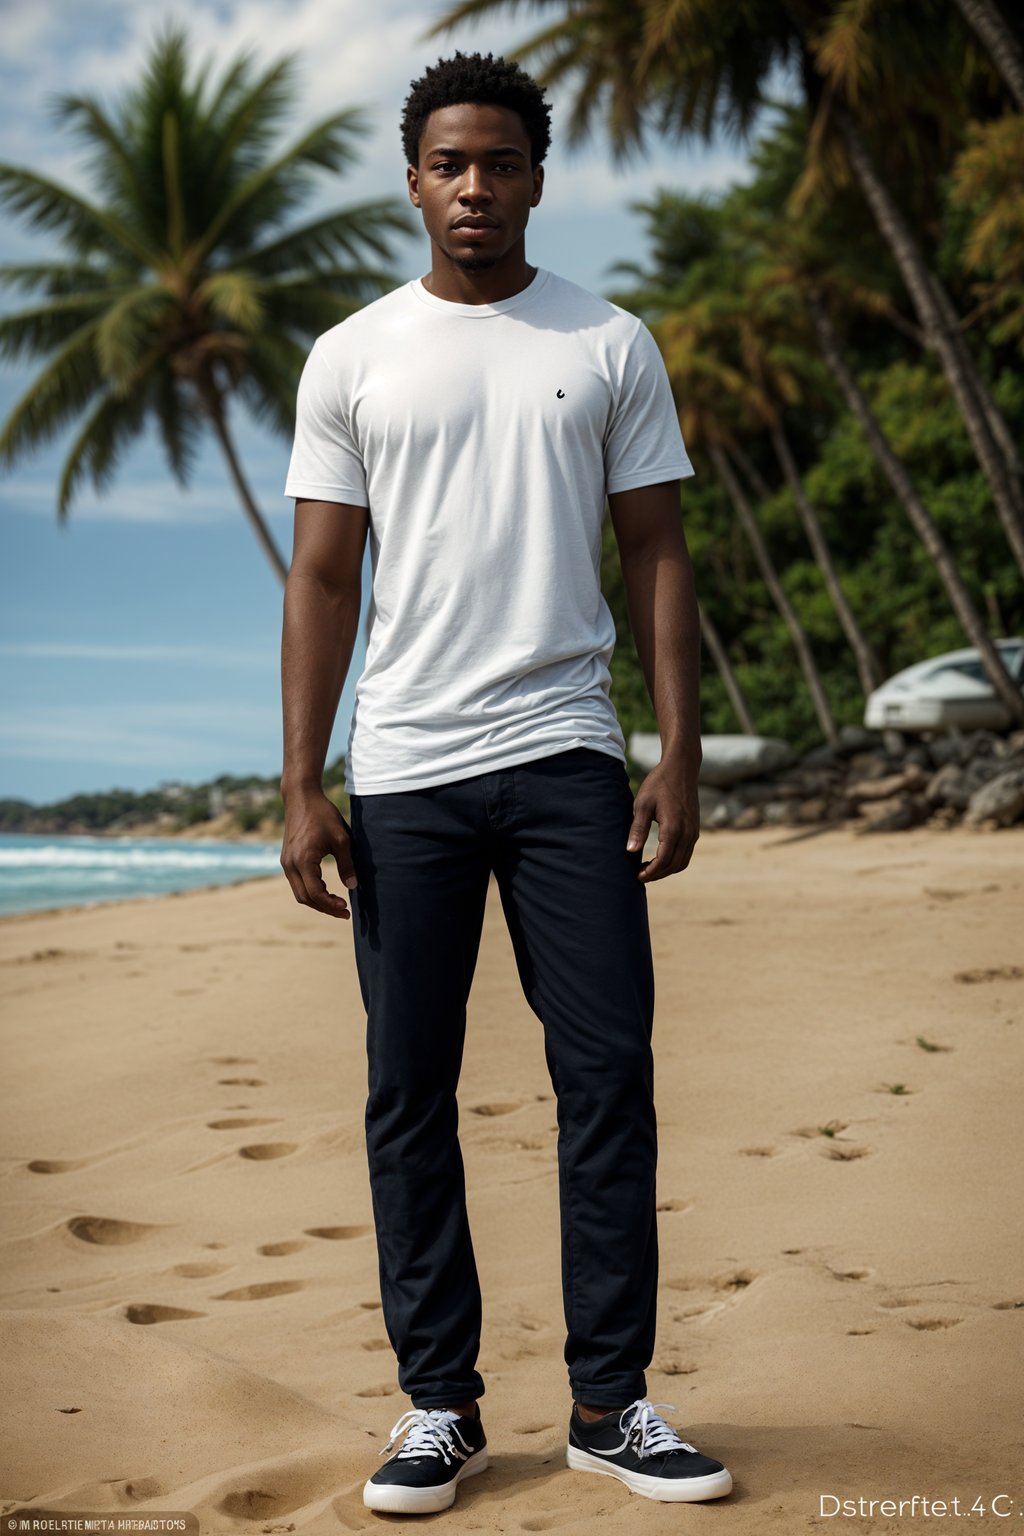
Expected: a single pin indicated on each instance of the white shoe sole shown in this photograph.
(393, 1499)
(670, 1490)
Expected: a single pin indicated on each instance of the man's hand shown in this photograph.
(668, 796)
(314, 828)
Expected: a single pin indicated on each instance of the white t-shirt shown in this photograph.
(483, 438)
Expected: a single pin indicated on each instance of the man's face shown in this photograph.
(474, 166)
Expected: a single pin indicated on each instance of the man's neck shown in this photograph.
(447, 281)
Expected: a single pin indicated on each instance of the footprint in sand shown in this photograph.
(1008, 1306)
(841, 1153)
(241, 1124)
(134, 1489)
(263, 1151)
(148, 1312)
(534, 1429)
(892, 1302)
(370, 1306)
(488, 1110)
(240, 1082)
(278, 1250)
(759, 1151)
(859, 1333)
(930, 1324)
(108, 1231)
(991, 973)
(57, 1164)
(198, 1271)
(830, 1129)
(544, 1522)
(233, 1061)
(850, 1274)
(677, 1368)
(386, 1390)
(262, 1290)
(675, 1205)
(337, 1234)
(375, 1344)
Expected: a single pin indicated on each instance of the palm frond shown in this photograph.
(98, 446)
(347, 231)
(49, 206)
(276, 186)
(56, 395)
(31, 331)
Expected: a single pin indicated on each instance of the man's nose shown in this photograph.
(475, 184)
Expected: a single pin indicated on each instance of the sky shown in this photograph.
(140, 642)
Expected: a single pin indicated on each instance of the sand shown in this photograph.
(191, 1315)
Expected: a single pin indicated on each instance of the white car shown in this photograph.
(946, 691)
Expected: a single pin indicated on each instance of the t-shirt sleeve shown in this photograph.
(326, 464)
(644, 442)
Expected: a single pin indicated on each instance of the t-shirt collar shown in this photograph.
(480, 311)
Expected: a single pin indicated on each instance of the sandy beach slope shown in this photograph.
(191, 1316)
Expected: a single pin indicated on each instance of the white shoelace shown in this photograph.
(428, 1432)
(651, 1436)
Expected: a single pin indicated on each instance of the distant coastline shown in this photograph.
(231, 808)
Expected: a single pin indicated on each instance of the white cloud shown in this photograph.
(188, 655)
(139, 733)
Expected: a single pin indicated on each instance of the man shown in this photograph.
(472, 422)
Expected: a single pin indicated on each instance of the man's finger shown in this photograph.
(343, 858)
(661, 864)
(639, 831)
(317, 893)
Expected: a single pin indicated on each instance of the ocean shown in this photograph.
(38, 871)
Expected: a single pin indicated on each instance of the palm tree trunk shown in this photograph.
(868, 669)
(920, 518)
(771, 579)
(990, 25)
(737, 698)
(995, 418)
(213, 405)
(966, 384)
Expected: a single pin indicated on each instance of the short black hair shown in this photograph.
(479, 78)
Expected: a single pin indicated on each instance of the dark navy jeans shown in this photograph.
(554, 832)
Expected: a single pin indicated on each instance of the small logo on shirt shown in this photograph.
(560, 394)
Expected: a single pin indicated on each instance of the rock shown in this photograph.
(774, 813)
(821, 757)
(731, 759)
(813, 810)
(726, 759)
(854, 738)
(708, 799)
(895, 814)
(912, 778)
(869, 765)
(725, 812)
(951, 786)
(751, 816)
(1000, 802)
(946, 749)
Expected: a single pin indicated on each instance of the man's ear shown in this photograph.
(412, 179)
(538, 185)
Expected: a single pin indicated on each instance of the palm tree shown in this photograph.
(686, 65)
(991, 26)
(921, 519)
(180, 287)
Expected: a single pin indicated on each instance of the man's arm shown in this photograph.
(662, 602)
(321, 617)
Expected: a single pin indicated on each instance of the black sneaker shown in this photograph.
(642, 1451)
(440, 1448)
